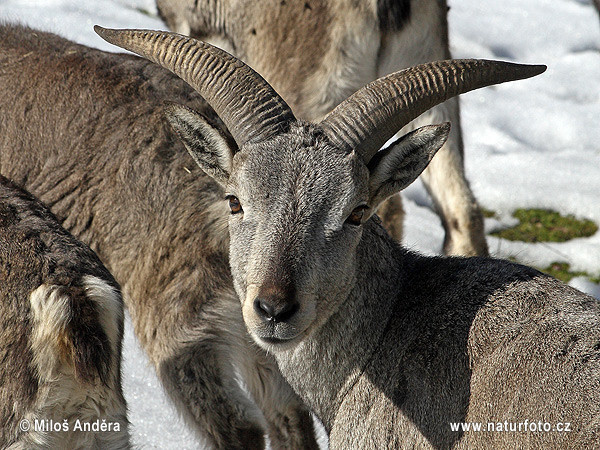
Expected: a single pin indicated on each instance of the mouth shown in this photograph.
(274, 341)
(271, 342)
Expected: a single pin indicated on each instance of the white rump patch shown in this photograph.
(50, 317)
(109, 304)
(60, 396)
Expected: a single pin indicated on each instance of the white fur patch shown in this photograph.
(109, 304)
(50, 317)
(60, 396)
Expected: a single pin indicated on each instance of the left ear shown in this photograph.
(397, 166)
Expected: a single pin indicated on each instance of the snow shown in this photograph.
(532, 143)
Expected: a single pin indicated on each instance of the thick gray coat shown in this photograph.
(449, 341)
(387, 347)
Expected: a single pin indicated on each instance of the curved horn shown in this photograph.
(373, 114)
(247, 104)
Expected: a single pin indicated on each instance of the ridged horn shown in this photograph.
(372, 115)
(247, 104)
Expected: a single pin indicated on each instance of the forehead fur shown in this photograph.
(299, 162)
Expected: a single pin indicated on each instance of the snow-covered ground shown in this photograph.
(533, 143)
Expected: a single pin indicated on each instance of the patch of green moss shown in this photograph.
(144, 11)
(488, 213)
(562, 271)
(542, 225)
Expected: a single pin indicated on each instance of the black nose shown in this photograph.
(275, 311)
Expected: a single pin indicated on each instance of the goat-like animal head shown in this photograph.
(301, 194)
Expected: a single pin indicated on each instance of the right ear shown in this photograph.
(207, 145)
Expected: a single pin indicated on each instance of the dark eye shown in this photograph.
(234, 204)
(356, 217)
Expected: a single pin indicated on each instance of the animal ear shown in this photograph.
(397, 166)
(207, 145)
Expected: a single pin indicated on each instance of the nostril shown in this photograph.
(286, 312)
(275, 312)
(264, 309)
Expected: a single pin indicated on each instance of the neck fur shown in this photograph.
(326, 365)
